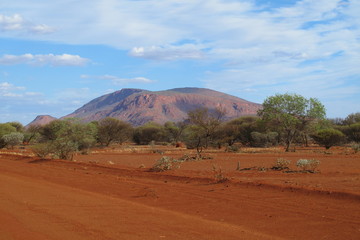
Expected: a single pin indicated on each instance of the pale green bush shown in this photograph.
(308, 164)
(42, 150)
(13, 139)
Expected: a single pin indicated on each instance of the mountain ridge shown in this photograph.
(139, 106)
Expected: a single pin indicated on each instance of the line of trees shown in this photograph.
(287, 119)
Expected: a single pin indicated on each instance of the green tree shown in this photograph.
(263, 139)
(352, 132)
(5, 128)
(239, 130)
(149, 132)
(174, 131)
(32, 133)
(19, 127)
(13, 139)
(112, 130)
(203, 126)
(65, 137)
(328, 137)
(290, 114)
(352, 119)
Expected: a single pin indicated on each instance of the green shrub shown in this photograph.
(13, 139)
(264, 139)
(42, 150)
(355, 147)
(64, 148)
(328, 137)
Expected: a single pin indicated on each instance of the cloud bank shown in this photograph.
(16, 23)
(44, 59)
(118, 80)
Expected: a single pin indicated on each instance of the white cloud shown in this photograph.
(10, 91)
(11, 23)
(306, 45)
(168, 52)
(18, 24)
(118, 80)
(5, 86)
(41, 29)
(44, 59)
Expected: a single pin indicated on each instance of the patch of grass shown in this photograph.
(218, 175)
(308, 165)
(281, 164)
(355, 147)
(166, 163)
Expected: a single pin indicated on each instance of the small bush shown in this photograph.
(42, 150)
(219, 176)
(308, 164)
(232, 148)
(281, 164)
(13, 139)
(165, 163)
(355, 147)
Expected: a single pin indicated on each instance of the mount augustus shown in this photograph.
(138, 106)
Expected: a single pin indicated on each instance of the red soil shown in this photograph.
(112, 195)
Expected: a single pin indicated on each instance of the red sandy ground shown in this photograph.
(110, 194)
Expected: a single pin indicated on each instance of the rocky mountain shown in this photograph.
(41, 120)
(138, 106)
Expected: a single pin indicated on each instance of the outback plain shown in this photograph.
(111, 193)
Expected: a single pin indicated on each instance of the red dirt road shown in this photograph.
(77, 200)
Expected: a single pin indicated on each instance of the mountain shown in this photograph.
(41, 120)
(138, 106)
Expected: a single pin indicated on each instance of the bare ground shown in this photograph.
(110, 194)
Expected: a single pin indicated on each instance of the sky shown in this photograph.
(55, 56)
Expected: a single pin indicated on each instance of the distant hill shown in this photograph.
(138, 106)
(41, 120)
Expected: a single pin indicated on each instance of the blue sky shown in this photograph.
(57, 55)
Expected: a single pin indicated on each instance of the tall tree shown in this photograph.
(113, 130)
(352, 118)
(174, 131)
(149, 132)
(205, 123)
(291, 114)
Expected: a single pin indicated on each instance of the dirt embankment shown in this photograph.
(107, 196)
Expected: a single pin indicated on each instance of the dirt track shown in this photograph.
(65, 200)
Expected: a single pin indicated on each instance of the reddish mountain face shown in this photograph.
(41, 120)
(140, 106)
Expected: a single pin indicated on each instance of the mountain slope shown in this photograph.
(138, 106)
(41, 120)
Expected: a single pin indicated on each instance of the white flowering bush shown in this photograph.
(308, 164)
